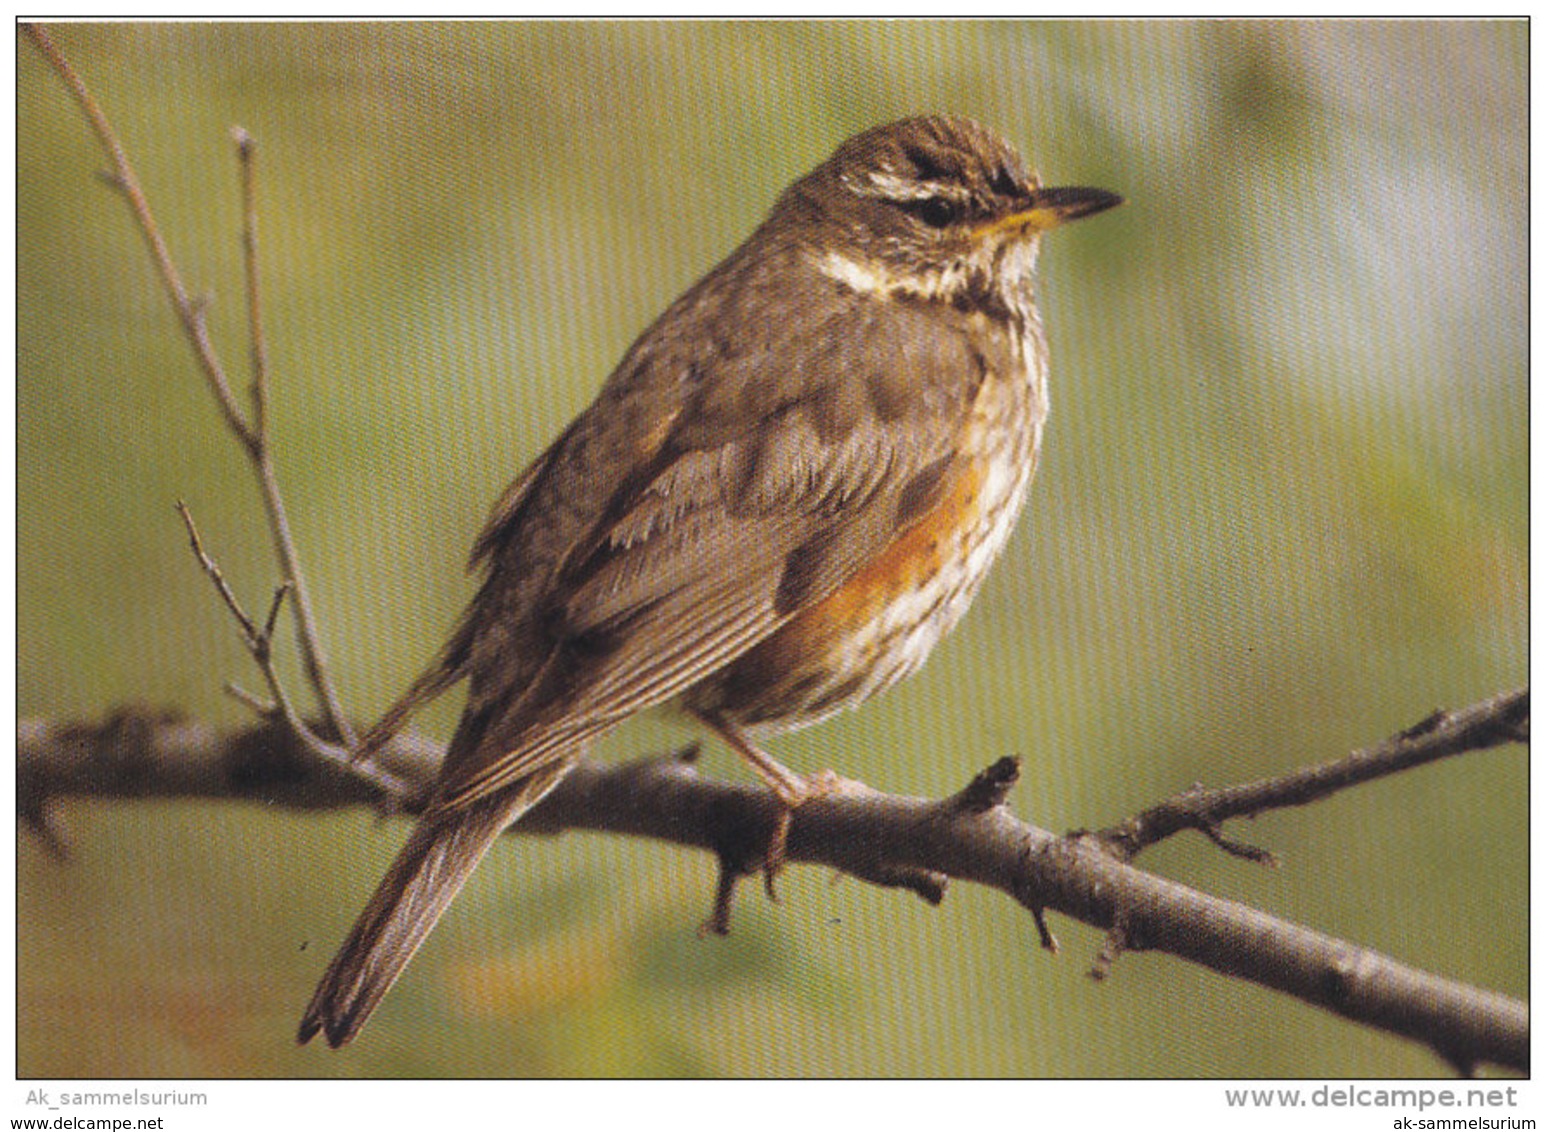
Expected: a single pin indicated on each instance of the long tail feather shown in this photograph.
(441, 854)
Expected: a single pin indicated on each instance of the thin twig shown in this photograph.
(280, 591)
(211, 570)
(260, 643)
(251, 435)
(263, 709)
(123, 178)
(1503, 718)
(313, 658)
(246, 154)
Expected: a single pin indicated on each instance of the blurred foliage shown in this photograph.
(1282, 513)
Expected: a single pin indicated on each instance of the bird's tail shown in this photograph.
(440, 855)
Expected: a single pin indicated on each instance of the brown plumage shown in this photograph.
(787, 491)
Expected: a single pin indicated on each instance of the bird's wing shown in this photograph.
(682, 519)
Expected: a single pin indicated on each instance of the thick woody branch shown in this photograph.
(893, 841)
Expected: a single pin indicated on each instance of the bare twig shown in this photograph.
(882, 839)
(246, 154)
(250, 434)
(260, 643)
(123, 178)
(1504, 718)
(217, 578)
(313, 658)
(259, 707)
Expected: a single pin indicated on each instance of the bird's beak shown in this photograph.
(1051, 207)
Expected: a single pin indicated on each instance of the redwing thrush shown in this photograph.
(785, 494)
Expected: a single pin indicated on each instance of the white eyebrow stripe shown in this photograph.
(894, 186)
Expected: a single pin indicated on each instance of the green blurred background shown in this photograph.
(1281, 514)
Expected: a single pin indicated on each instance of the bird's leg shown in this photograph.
(791, 790)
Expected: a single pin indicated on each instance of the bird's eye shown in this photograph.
(936, 212)
(1003, 183)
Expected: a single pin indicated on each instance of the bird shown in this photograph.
(789, 489)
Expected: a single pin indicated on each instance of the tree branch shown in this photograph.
(892, 841)
(1504, 718)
